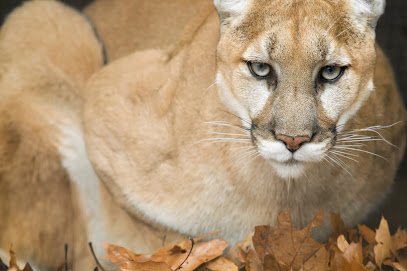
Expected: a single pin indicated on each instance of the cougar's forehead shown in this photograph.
(285, 30)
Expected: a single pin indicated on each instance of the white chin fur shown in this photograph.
(287, 170)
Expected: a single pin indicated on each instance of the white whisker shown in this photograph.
(338, 162)
(381, 136)
(334, 23)
(214, 83)
(228, 139)
(226, 124)
(244, 148)
(306, 177)
(361, 140)
(288, 186)
(241, 151)
(345, 153)
(247, 159)
(222, 140)
(228, 134)
(253, 157)
(245, 155)
(354, 149)
(344, 31)
(353, 136)
(351, 145)
(325, 158)
(374, 129)
(342, 154)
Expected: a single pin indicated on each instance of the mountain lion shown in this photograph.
(262, 106)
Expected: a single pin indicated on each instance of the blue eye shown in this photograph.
(259, 70)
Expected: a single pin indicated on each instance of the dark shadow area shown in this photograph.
(392, 36)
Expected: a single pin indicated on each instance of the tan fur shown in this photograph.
(47, 52)
(126, 26)
(144, 119)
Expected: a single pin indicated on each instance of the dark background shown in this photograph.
(392, 36)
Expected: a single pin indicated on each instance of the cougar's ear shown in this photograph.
(368, 12)
(230, 8)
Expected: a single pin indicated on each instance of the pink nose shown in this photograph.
(293, 143)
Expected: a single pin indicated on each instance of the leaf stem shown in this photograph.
(189, 254)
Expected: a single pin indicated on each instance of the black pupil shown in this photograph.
(262, 67)
(330, 69)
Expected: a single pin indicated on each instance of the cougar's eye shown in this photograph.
(259, 70)
(332, 73)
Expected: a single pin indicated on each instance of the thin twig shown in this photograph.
(189, 254)
(94, 256)
(66, 257)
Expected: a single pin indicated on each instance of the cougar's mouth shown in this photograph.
(287, 160)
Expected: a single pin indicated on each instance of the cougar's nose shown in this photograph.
(293, 142)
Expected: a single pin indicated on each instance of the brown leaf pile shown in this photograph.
(187, 255)
(280, 248)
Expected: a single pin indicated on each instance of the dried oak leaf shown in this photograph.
(238, 253)
(168, 258)
(384, 248)
(368, 234)
(338, 228)
(219, 264)
(350, 259)
(400, 239)
(204, 252)
(395, 265)
(285, 248)
(342, 243)
(253, 262)
(402, 257)
(400, 246)
(128, 260)
(371, 266)
(146, 266)
(368, 250)
(318, 261)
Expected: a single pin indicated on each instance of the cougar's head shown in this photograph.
(295, 72)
